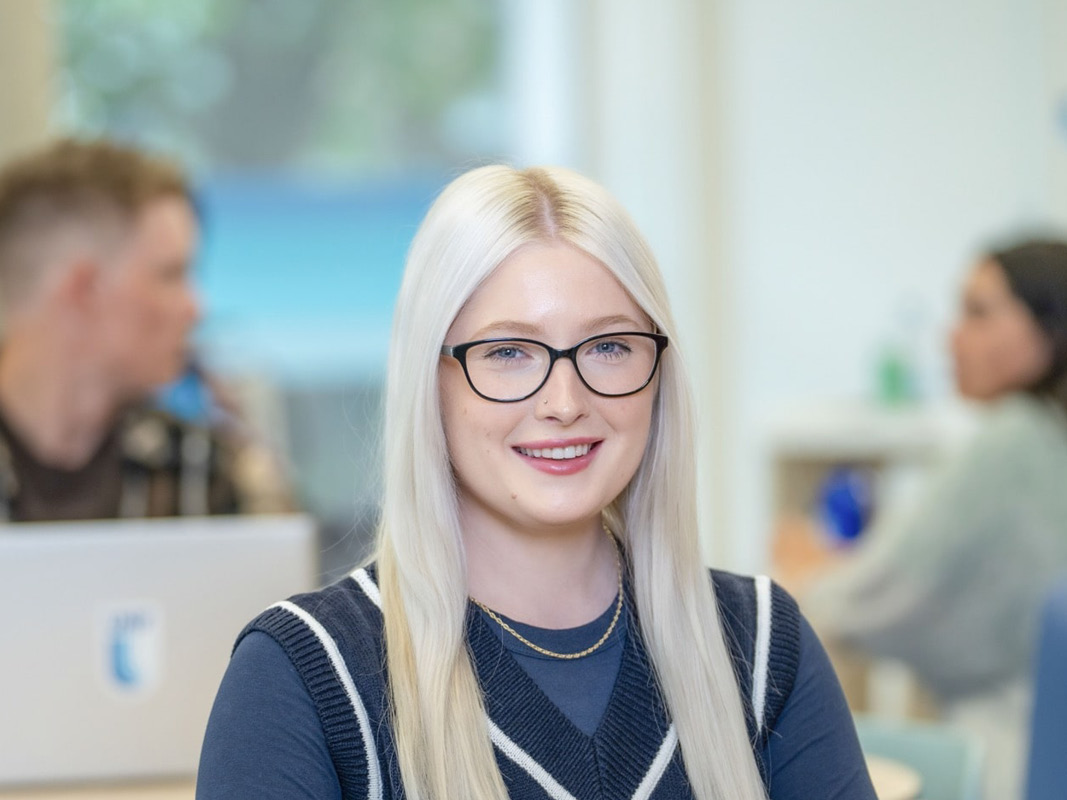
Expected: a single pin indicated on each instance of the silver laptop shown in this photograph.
(114, 636)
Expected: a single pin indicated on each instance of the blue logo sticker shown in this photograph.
(131, 646)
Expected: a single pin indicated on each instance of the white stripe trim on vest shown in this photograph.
(369, 587)
(555, 790)
(552, 787)
(507, 746)
(763, 649)
(374, 771)
(659, 765)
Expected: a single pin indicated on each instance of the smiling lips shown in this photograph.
(559, 459)
(556, 453)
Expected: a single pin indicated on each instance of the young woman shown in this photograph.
(536, 622)
(953, 585)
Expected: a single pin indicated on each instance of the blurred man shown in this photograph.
(96, 305)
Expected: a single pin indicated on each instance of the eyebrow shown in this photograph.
(509, 327)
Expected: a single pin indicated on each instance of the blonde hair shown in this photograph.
(440, 727)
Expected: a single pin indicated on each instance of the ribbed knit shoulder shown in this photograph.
(315, 629)
(761, 624)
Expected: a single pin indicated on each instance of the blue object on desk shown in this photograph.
(845, 502)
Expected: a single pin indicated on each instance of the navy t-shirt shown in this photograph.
(265, 740)
(581, 687)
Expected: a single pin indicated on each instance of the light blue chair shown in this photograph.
(1047, 770)
(949, 761)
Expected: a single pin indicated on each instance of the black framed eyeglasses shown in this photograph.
(508, 370)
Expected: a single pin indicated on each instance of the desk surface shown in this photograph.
(156, 790)
(893, 780)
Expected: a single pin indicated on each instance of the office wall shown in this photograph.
(1054, 57)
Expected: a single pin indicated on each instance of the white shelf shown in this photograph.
(855, 430)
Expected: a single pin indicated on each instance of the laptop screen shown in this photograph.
(116, 635)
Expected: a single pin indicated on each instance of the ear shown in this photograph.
(78, 288)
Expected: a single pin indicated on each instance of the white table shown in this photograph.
(184, 789)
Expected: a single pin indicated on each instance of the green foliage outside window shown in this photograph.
(356, 86)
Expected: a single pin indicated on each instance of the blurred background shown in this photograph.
(814, 176)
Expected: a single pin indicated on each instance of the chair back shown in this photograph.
(1047, 768)
(948, 761)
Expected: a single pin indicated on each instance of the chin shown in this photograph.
(978, 395)
(564, 516)
(964, 387)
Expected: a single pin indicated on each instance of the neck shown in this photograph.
(551, 578)
(54, 400)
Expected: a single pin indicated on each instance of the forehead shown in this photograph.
(164, 226)
(547, 287)
(171, 215)
(987, 278)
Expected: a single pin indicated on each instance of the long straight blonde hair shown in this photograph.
(438, 714)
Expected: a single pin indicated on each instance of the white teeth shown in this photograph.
(557, 453)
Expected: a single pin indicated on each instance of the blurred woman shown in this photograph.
(952, 586)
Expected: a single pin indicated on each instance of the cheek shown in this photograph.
(1004, 348)
(635, 422)
(1000, 357)
(451, 421)
(978, 347)
(126, 322)
(470, 429)
(165, 305)
(140, 315)
(1026, 355)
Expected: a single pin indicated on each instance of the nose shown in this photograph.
(564, 397)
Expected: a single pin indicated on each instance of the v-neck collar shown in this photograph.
(612, 762)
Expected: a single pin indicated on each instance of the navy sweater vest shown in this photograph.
(334, 639)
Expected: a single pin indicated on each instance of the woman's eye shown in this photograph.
(610, 347)
(505, 353)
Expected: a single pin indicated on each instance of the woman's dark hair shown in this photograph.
(1036, 270)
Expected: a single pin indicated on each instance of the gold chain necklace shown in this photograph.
(618, 610)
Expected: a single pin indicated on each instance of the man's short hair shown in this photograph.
(85, 185)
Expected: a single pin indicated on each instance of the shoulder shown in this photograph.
(151, 437)
(762, 627)
(333, 638)
(155, 439)
(344, 617)
(1020, 442)
(240, 466)
(751, 604)
(1020, 422)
